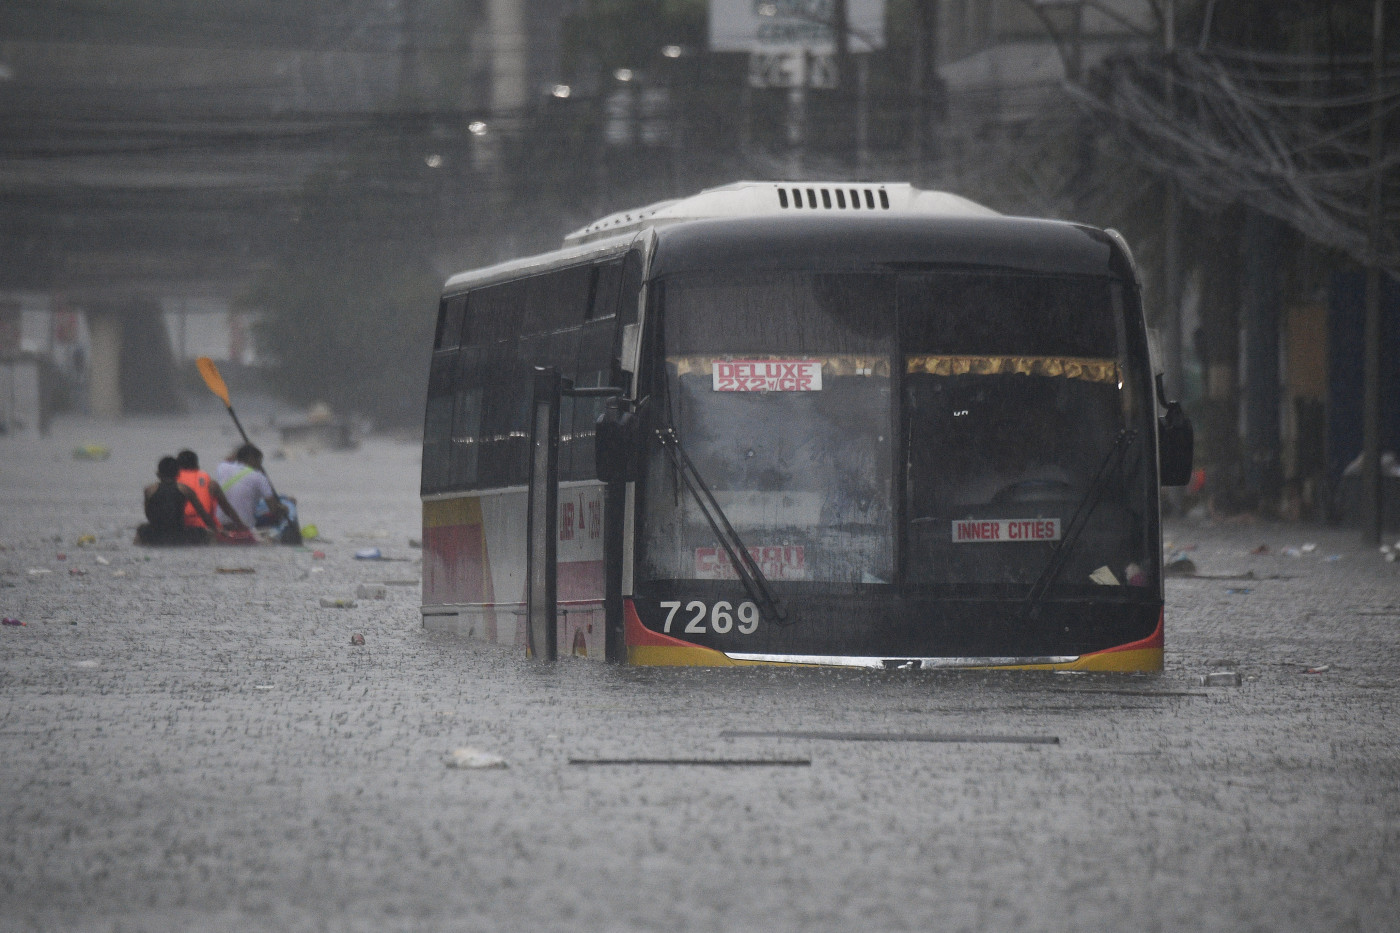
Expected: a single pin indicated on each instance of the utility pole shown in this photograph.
(863, 117)
(853, 96)
(1171, 226)
(797, 119)
(1372, 482)
(922, 75)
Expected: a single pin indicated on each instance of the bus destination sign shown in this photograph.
(767, 375)
(1006, 529)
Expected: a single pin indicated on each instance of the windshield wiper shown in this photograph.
(1077, 523)
(755, 583)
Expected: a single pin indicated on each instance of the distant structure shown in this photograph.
(138, 150)
(1002, 61)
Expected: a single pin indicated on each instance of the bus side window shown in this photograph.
(557, 304)
(557, 300)
(449, 322)
(497, 312)
(629, 292)
(592, 367)
(437, 423)
(466, 420)
(607, 279)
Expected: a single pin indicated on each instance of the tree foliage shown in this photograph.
(346, 313)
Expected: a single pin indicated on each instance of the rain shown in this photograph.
(240, 225)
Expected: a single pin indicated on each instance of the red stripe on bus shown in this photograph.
(636, 634)
(454, 566)
(1156, 640)
(580, 580)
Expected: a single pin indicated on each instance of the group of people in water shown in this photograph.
(186, 505)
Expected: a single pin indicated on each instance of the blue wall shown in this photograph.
(1346, 328)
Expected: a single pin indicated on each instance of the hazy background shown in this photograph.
(284, 186)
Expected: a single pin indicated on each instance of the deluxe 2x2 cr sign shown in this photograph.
(767, 375)
(978, 530)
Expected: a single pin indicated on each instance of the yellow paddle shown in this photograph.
(215, 382)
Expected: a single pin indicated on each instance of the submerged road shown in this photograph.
(189, 741)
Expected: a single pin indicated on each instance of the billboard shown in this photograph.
(777, 26)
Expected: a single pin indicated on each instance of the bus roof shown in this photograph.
(884, 242)
(745, 225)
(793, 198)
(527, 265)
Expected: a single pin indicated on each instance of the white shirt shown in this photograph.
(245, 493)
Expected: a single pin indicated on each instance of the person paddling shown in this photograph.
(246, 487)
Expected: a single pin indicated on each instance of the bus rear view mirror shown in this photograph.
(1176, 440)
(616, 443)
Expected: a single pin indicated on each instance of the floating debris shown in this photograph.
(1221, 679)
(329, 603)
(92, 452)
(475, 758)
(895, 737)
(702, 762)
(371, 591)
(357, 639)
(237, 570)
(1180, 565)
(1104, 577)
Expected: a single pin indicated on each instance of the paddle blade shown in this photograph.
(212, 379)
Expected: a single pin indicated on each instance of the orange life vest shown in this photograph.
(197, 480)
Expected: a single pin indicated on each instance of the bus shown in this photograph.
(844, 424)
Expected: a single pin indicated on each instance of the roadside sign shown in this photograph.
(771, 26)
(793, 68)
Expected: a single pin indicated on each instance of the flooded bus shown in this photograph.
(819, 424)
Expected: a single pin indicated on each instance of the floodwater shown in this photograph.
(189, 740)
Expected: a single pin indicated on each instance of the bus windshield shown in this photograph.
(778, 387)
(935, 430)
(1022, 410)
